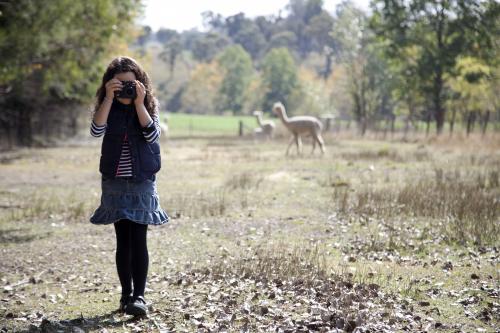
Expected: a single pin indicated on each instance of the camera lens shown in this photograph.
(129, 92)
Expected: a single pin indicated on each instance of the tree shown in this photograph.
(406, 85)
(237, 68)
(66, 49)
(213, 21)
(286, 39)
(145, 35)
(54, 52)
(474, 87)
(441, 29)
(310, 24)
(247, 33)
(207, 45)
(279, 76)
(164, 35)
(368, 80)
(172, 48)
(200, 95)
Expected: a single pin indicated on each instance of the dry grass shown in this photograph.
(466, 207)
(45, 203)
(365, 212)
(207, 203)
(277, 261)
(244, 180)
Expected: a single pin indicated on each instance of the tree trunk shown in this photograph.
(470, 121)
(328, 65)
(439, 110)
(393, 124)
(363, 126)
(428, 122)
(452, 121)
(407, 127)
(24, 130)
(485, 122)
(439, 121)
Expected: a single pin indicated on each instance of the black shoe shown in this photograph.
(137, 307)
(124, 300)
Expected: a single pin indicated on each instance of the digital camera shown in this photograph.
(128, 90)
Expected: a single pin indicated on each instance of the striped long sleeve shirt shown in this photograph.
(125, 164)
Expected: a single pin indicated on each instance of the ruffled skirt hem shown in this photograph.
(108, 216)
(135, 201)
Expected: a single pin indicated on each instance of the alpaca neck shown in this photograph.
(283, 116)
(259, 119)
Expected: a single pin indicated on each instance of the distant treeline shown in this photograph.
(432, 61)
(426, 61)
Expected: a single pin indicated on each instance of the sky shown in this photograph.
(186, 14)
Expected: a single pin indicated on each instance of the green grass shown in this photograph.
(181, 124)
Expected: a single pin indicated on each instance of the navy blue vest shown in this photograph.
(146, 159)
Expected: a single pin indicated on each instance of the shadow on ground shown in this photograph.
(20, 235)
(83, 324)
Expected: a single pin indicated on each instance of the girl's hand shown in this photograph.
(112, 86)
(141, 93)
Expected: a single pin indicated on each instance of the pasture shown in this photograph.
(207, 125)
(381, 235)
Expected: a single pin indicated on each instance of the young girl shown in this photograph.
(130, 159)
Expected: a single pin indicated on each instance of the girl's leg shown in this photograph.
(123, 255)
(140, 257)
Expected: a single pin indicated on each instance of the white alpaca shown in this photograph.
(163, 126)
(300, 125)
(258, 133)
(266, 126)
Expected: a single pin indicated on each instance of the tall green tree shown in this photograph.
(369, 80)
(302, 14)
(441, 29)
(475, 91)
(61, 42)
(246, 33)
(53, 53)
(237, 68)
(200, 94)
(279, 78)
(172, 48)
(406, 92)
(207, 45)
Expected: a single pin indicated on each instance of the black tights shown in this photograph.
(132, 256)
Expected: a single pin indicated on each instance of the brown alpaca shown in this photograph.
(300, 125)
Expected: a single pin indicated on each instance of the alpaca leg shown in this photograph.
(314, 144)
(321, 143)
(298, 140)
(292, 139)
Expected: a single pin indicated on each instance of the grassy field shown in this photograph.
(188, 125)
(209, 125)
(378, 235)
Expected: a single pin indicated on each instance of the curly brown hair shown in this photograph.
(124, 64)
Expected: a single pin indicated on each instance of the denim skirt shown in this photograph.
(124, 198)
